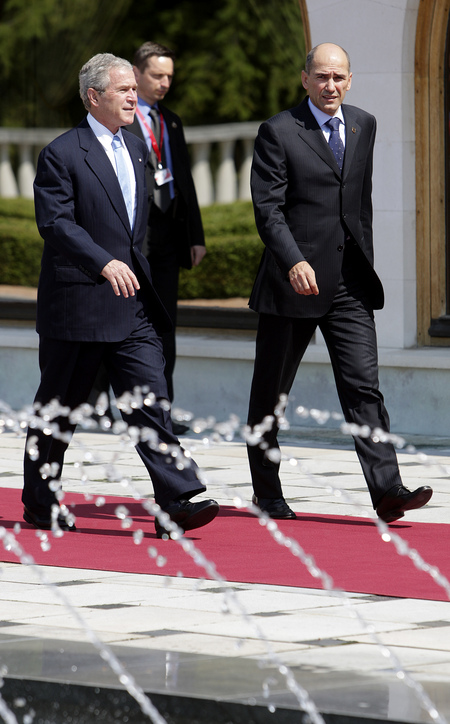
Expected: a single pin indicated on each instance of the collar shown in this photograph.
(322, 117)
(145, 107)
(102, 133)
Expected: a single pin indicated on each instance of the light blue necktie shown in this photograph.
(123, 177)
(335, 141)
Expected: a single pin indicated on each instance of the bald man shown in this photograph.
(312, 195)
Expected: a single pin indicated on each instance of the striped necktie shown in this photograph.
(123, 177)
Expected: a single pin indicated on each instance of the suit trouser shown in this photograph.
(68, 370)
(160, 249)
(349, 332)
(164, 265)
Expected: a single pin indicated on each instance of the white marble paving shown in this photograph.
(304, 627)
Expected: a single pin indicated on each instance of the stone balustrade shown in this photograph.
(221, 160)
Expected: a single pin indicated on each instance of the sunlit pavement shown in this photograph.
(173, 635)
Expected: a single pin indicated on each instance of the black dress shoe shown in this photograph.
(188, 515)
(274, 507)
(394, 503)
(45, 523)
(179, 429)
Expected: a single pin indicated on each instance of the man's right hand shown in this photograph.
(121, 278)
(303, 279)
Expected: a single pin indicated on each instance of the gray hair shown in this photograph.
(96, 74)
(309, 62)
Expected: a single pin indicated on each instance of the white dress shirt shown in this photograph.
(322, 118)
(105, 137)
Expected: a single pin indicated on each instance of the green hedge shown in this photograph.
(17, 208)
(20, 243)
(228, 269)
(233, 254)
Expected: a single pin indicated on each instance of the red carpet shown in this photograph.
(350, 550)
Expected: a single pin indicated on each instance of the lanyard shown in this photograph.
(155, 147)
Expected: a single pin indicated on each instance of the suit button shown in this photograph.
(340, 247)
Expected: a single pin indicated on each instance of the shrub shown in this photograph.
(228, 269)
(18, 208)
(233, 254)
(20, 251)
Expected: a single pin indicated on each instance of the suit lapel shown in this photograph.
(101, 166)
(312, 134)
(310, 131)
(139, 172)
(352, 135)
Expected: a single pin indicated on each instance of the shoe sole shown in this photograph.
(414, 504)
(392, 516)
(274, 516)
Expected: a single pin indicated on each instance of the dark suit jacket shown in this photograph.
(189, 231)
(81, 215)
(305, 209)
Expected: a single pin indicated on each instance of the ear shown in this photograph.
(92, 96)
(305, 79)
(349, 84)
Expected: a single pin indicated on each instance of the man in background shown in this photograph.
(175, 236)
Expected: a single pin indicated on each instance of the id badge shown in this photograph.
(163, 176)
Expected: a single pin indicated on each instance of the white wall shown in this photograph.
(379, 35)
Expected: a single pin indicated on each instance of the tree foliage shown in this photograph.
(237, 60)
(43, 44)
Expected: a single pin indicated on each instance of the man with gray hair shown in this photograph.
(96, 301)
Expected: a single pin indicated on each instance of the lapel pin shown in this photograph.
(140, 160)
(353, 129)
(174, 125)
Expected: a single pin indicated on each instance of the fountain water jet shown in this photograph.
(227, 431)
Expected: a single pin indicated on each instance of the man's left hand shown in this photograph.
(197, 254)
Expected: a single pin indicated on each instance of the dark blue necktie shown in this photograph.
(335, 141)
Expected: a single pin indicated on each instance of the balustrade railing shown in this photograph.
(221, 158)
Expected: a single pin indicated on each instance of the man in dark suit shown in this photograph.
(96, 301)
(312, 194)
(175, 235)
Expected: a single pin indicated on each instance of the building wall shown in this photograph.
(379, 35)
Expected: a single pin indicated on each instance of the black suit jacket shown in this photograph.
(81, 215)
(305, 209)
(187, 218)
